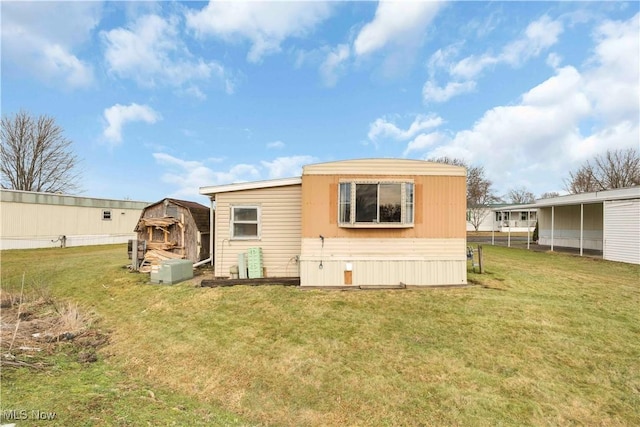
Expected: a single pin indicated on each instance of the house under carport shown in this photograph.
(606, 221)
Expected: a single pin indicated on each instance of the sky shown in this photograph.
(162, 98)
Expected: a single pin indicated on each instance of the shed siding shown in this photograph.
(566, 231)
(35, 225)
(280, 210)
(622, 231)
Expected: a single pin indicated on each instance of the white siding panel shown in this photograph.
(280, 224)
(622, 231)
(383, 167)
(37, 225)
(413, 262)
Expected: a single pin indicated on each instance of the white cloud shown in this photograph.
(41, 38)
(265, 24)
(187, 176)
(538, 36)
(433, 93)
(118, 115)
(613, 79)
(395, 22)
(276, 145)
(334, 64)
(424, 141)
(283, 167)
(151, 53)
(567, 119)
(382, 128)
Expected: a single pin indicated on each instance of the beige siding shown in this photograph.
(384, 166)
(280, 222)
(566, 227)
(31, 225)
(416, 262)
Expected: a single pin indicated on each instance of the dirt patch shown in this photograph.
(31, 331)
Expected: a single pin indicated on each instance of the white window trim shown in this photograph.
(403, 201)
(106, 212)
(258, 222)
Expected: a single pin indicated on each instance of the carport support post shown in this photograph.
(493, 228)
(528, 228)
(553, 219)
(581, 226)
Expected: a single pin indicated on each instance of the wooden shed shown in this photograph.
(174, 228)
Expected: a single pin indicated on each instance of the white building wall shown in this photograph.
(622, 231)
(38, 220)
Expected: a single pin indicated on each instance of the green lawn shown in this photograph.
(540, 339)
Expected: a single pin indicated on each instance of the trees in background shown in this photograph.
(520, 196)
(36, 156)
(613, 169)
(549, 195)
(480, 193)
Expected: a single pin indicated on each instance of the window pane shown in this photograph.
(245, 214)
(408, 208)
(245, 230)
(366, 202)
(345, 202)
(390, 203)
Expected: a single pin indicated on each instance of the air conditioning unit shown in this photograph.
(172, 271)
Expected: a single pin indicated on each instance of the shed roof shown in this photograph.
(199, 213)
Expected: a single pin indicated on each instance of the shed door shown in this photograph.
(622, 231)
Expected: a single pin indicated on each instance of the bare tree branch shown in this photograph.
(36, 156)
(480, 193)
(520, 195)
(614, 169)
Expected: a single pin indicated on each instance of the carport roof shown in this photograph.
(582, 198)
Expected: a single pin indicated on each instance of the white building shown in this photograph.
(502, 218)
(41, 220)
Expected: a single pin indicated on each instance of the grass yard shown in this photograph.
(540, 339)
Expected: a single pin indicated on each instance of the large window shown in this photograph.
(245, 222)
(376, 204)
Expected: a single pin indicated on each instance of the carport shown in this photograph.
(606, 221)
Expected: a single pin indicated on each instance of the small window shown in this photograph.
(379, 204)
(171, 211)
(106, 215)
(245, 222)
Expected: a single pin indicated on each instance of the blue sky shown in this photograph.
(161, 98)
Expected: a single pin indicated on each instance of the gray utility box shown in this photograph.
(172, 271)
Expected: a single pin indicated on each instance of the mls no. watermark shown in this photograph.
(26, 414)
